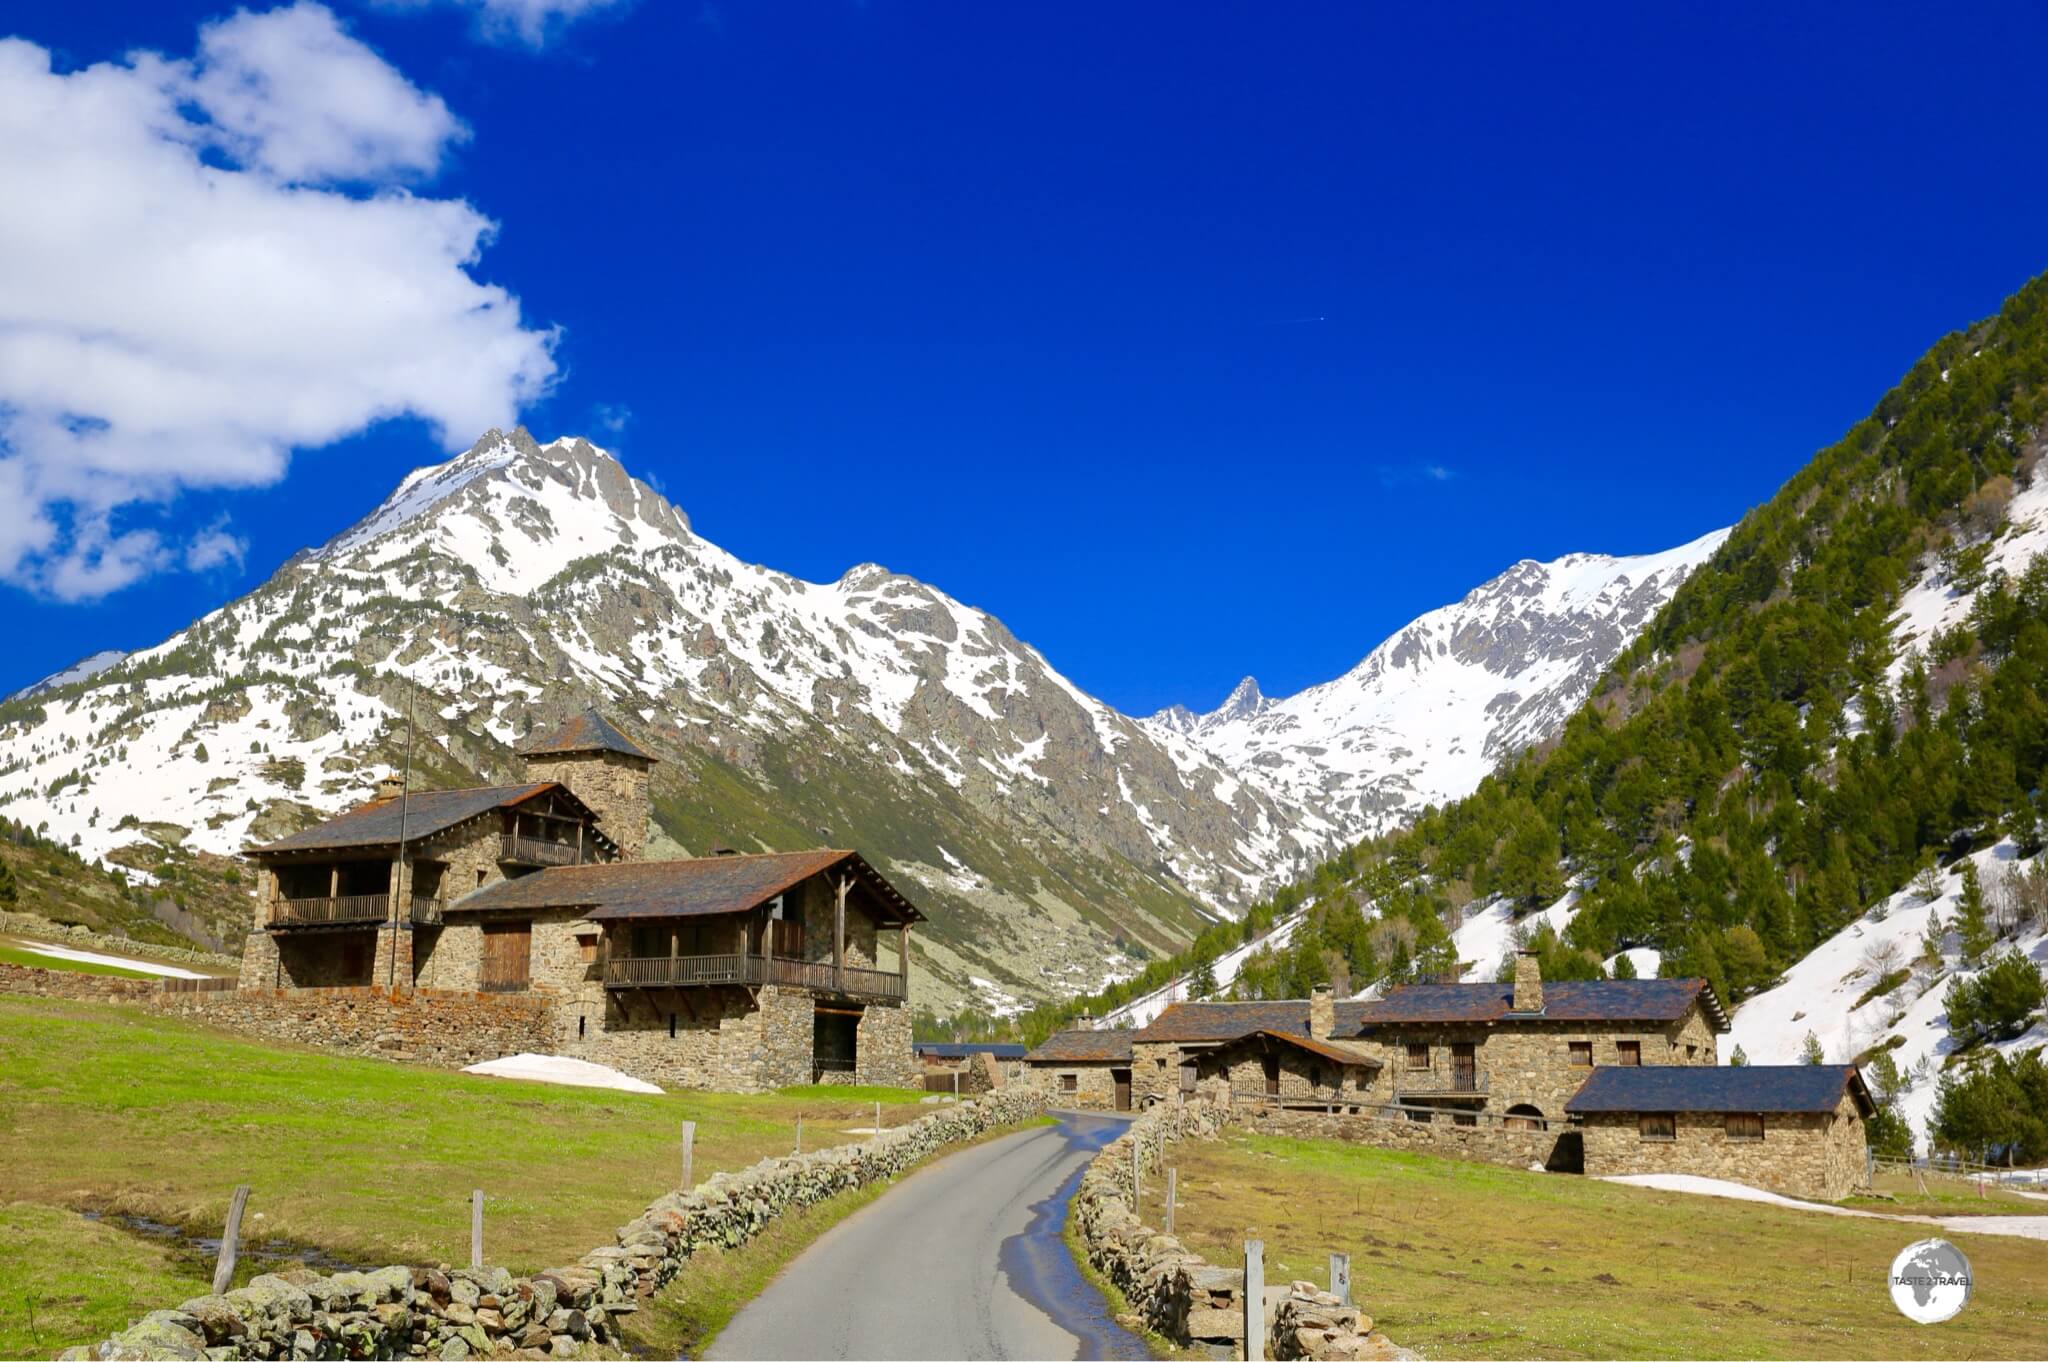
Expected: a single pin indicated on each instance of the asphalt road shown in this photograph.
(963, 1258)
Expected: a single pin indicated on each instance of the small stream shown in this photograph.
(200, 1251)
(1042, 1270)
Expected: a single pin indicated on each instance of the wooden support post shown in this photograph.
(1135, 1193)
(1340, 1276)
(799, 1132)
(689, 1151)
(839, 933)
(1172, 1190)
(230, 1240)
(1254, 1300)
(476, 1228)
(903, 957)
(878, 1120)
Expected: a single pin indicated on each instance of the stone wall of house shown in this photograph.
(1303, 1077)
(678, 1038)
(1155, 1072)
(882, 1048)
(1805, 1154)
(1094, 1088)
(327, 959)
(448, 1030)
(1487, 1139)
(612, 784)
(818, 902)
(1173, 1290)
(404, 1312)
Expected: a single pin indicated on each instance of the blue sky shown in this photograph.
(1190, 341)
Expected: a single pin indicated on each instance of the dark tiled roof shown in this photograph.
(1083, 1047)
(705, 886)
(426, 813)
(1322, 1048)
(1563, 1000)
(1228, 1021)
(1688, 1087)
(587, 732)
(947, 1049)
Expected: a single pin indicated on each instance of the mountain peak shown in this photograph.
(1242, 703)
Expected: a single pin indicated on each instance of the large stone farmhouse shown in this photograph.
(1491, 1071)
(729, 971)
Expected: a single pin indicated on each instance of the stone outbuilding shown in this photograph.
(1797, 1129)
(1167, 1056)
(1085, 1068)
(1277, 1067)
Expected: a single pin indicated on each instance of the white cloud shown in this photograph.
(532, 22)
(185, 297)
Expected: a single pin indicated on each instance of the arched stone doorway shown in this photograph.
(1522, 1116)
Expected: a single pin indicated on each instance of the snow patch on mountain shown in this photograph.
(82, 670)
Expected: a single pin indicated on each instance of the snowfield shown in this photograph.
(560, 1069)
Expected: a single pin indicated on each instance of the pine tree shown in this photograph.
(1811, 1052)
(1624, 968)
(1738, 1059)
(9, 894)
(1202, 982)
(1971, 923)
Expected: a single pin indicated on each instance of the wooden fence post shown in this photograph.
(230, 1240)
(1172, 1178)
(476, 1228)
(689, 1151)
(878, 1120)
(1254, 1300)
(799, 1132)
(1340, 1276)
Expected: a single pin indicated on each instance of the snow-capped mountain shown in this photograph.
(81, 670)
(1048, 835)
(1434, 708)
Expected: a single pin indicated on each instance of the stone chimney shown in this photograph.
(390, 786)
(1084, 1022)
(1322, 1013)
(1528, 983)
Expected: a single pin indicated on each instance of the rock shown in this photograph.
(464, 1291)
(454, 1350)
(217, 1318)
(562, 1346)
(1216, 1324)
(456, 1313)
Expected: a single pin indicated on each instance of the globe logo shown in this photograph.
(1930, 1281)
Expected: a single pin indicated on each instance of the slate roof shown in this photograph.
(1337, 1051)
(426, 813)
(946, 1049)
(1563, 1000)
(1750, 1087)
(1228, 1021)
(1083, 1047)
(587, 732)
(705, 886)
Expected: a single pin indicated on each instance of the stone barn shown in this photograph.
(1797, 1129)
(1085, 1068)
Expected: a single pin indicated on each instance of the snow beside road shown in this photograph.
(2013, 1226)
(120, 961)
(570, 1073)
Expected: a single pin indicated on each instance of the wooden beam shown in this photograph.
(839, 930)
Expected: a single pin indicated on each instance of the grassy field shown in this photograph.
(1471, 1260)
(1935, 1194)
(114, 1109)
(12, 954)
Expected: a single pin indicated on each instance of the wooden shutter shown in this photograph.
(508, 956)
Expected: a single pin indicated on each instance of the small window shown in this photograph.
(479, 879)
(1159, 1063)
(1629, 1052)
(586, 947)
(1692, 1052)
(1418, 1057)
(1070, 1082)
(1745, 1126)
(1582, 1053)
(1419, 1117)
(1364, 1079)
(1657, 1126)
(1464, 1118)
(671, 1026)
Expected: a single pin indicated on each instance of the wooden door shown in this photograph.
(1272, 1063)
(1464, 1068)
(1122, 1079)
(508, 956)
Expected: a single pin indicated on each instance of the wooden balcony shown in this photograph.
(349, 910)
(695, 971)
(1440, 1083)
(345, 910)
(537, 851)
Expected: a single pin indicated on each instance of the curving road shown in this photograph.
(963, 1258)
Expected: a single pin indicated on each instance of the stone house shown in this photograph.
(1084, 1068)
(1797, 1129)
(730, 971)
(1520, 1050)
(1273, 1066)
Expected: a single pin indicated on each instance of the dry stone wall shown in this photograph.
(1173, 1290)
(1555, 1149)
(411, 1312)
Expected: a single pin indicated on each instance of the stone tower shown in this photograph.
(603, 768)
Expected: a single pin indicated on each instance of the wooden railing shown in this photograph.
(329, 912)
(1431, 1081)
(537, 851)
(426, 912)
(689, 971)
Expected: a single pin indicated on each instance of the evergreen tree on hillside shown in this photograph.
(1624, 968)
(9, 893)
(1811, 1052)
(1972, 924)
(1886, 1131)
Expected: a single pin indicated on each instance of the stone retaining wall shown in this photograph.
(1174, 1291)
(425, 1026)
(29, 924)
(401, 1312)
(1557, 1150)
(68, 983)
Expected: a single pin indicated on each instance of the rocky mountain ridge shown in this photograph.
(1053, 839)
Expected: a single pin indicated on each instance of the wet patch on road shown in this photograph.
(1042, 1271)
